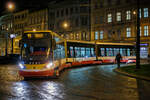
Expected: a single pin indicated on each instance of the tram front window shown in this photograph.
(35, 54)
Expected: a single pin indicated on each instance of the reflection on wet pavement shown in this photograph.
(9, 73)
(86, 83)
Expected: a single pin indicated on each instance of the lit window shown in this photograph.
(128, 32)
(96, 35)
(101, 34)
(118, 16)
(71, 36)
(109, 20)
(145, 30)
(128, 15)
(77, 36)
(145, 12)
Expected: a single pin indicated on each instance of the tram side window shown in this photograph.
(123, 52)
(92, 52)
(59, 53)
(128, 52)
(88, 52)
(77, 51)
(102, 51)
(62, 50)
(71, 52)
(116, 51)
(109, 51)
(82, 52)
(132, 52)
(56, 54)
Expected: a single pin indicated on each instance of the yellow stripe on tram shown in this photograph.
(35, 66)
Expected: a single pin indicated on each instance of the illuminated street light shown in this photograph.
(134, 12)
(10, 6)
(65, 25)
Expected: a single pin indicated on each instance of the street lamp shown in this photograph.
(10, 6)
(12, 36)
(65, 25)
(138, 36)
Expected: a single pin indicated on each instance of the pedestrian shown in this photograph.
(117, 59)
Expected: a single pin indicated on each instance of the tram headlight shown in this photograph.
(49, 65)
(21, 66)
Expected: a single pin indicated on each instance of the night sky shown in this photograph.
(24, 4)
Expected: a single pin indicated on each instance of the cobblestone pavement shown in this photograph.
(86, 83)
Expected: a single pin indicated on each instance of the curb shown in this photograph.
(131, 75)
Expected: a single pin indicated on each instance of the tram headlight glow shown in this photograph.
(49, 65)
(21, 66)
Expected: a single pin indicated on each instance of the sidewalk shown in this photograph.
(131, 75)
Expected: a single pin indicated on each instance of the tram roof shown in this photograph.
(49, 31)
(109, 43)
(99, 43)
(79, 41)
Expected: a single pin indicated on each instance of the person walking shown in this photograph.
(117, 59)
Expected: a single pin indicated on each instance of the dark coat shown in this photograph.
(118, 57)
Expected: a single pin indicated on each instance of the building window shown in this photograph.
(101, 34)
(84, 36)
(96, 35)
(109, 2)
(62, 12)
(140, 31)
(101, 4)
(67, 12)
(71, 10)
(128, 15)
(128, 32)
(128, 1)
(101, 20)
(77, 22)
(84, 20)
(77, 36)
(140, 13)
(96, 6)
(96, 19)
(146, 30)
(117, 2)
(109, 19)
(57, 14)
(118, 16)
(145, 12)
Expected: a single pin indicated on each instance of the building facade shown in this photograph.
(6, 27)
(71, 19)
(116, 21)
(19, 24)
(37, 20)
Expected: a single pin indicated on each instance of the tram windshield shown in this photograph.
(39, 54)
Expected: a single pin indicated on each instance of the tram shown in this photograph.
(45, 53)
(91, 52)
(36, 54)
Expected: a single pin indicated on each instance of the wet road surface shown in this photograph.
(87, 83)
